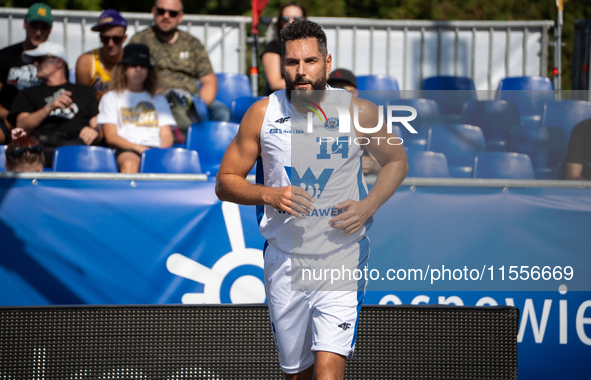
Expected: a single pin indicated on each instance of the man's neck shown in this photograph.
(57, 79)
(108, 61)
(168, 38)
(28, 46)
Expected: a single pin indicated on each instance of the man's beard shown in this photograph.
(315, 95)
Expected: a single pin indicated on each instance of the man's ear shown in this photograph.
(328, 64)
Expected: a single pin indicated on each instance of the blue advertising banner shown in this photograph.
(147, 242)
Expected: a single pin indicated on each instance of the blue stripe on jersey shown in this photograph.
(260, 180)
(363, 260)
(362, 192)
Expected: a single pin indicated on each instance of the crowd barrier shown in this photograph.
(88, 238)
(409, 50)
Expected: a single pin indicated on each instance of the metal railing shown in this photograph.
(224, 37)
(409, 50)
(370, 179)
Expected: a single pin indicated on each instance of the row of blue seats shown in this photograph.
(205, 147)
(486, 165)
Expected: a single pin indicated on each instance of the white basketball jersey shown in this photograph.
(325, 162)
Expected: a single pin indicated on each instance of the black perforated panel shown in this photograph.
(235, 342)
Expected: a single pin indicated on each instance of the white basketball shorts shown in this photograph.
(304, 321)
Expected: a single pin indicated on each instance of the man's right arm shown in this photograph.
(31, 120)
(240, 157)
(83, 69)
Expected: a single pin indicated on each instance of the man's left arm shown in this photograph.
(209, 88)
(394, 164)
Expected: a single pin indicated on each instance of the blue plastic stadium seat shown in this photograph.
(565, 114)
(211, 139)
(529, 94)
(379, 89)
(460, 143)
(503, 165)
(427, 115)
(201, 108)
(82, 158)
(3, 158)
(427, 164)
(450, 103)
(72, 75)
(232, 86)
(546, 147)
(170, 160)
(240, 106)
(496, 118)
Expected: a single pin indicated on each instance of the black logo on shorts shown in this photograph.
(344, 326)
(282, 120)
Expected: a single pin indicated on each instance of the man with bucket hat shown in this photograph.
(15, 74)
(94, 67)
(57, 112)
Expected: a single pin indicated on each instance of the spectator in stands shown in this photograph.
(15, 74)
(24, 153)
(271, 57)
(578, 156)
(345, 79)
(132, 115)
(58, 112)
(94, 67)
(180, 60)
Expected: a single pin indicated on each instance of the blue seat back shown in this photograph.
(201, 108)
(232, 86)
(496, 118)
(379, 89)
(546, 147)
(72, 75)
(529, 94)
(3, 158)
(240, 106)
(211, 139)
(170, 160)
(427, 115)
(427, 164)
(565, 114)
(450, 103)
(460, 143)
(503, 165)
(82, 158)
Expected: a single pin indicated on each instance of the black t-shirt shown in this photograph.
(15, 74)
(579, 147)
(61, 124)
(272, 47)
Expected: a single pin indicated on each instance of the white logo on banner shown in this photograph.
(245, 289)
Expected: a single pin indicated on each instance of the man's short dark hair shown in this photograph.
(300, 30)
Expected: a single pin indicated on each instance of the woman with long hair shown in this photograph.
(134, 118)
(271, 57)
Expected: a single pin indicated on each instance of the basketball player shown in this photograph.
(312, 206)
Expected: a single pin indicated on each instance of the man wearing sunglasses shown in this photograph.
(15, 74)
(57, 112)
(180, 59)
(94, 68)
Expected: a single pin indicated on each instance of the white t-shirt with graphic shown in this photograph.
(137, 115)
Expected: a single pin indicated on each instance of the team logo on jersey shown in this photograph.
(309, 182)
(330, 123)
(344, 326)
(282, 120)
